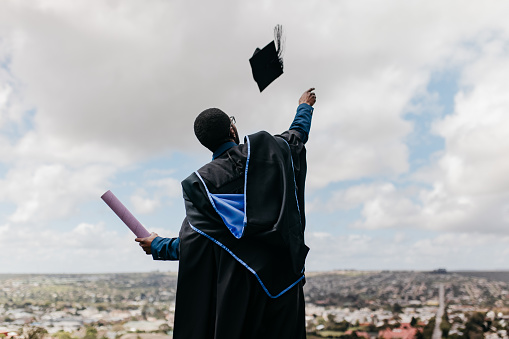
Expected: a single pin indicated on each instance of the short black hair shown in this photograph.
(212, 128)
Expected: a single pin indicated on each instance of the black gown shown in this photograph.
(248, 286)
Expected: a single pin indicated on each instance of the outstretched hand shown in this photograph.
(308, 97)
(145, 243)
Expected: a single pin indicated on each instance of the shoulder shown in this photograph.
(263, 141)
(225, 174)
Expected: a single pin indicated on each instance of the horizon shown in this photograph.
(307, 272)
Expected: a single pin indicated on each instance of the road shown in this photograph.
(437, 333)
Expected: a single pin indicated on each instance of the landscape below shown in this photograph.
(339, 304)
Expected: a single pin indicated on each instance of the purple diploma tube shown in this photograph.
(123, 213)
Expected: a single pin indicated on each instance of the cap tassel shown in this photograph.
(279, 41)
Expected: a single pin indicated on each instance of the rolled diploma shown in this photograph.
(123, 213)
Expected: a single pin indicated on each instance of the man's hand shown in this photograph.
(146, 242)
(308, 97)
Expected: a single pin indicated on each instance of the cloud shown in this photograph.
(143, 204)
(465, 188)
(386, 206)
(453, 251)
(360, 132)
(85, 248)
(475, 135)
(165, 189)
(132, 78)
(52, 191)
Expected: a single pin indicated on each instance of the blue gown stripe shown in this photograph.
(246, 265)
(245, 178)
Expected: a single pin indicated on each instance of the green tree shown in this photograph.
(474, 327)
(427, 331)
(342, 326)
(63, 335)
(35, 333)
(445, 327)
(91, 333)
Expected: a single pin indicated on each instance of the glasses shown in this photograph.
(232, 120)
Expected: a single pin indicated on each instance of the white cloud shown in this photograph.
(86, 248)
(385, 206)
(167, 187)
(51, 191)
(128, 76)
(450, 250)
(466, 187)
(475, 161)
(143, 204)
(162, 189)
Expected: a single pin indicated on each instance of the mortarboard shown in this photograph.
(267, 63)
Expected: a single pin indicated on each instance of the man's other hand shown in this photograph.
(308, 97)
(146, 242)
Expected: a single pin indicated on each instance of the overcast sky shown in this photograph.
(407, 157)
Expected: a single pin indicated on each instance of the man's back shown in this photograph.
(245, 287)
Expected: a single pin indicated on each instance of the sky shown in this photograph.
(407, 154)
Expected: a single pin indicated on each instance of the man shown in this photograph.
(241, 246)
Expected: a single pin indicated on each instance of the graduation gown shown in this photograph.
(242, 250)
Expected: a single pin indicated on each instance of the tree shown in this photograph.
(445, 327)
(427, 331)
(35, 333)
(63, 335)
(475, 326)
(91, 333)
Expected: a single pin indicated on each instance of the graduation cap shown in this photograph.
(267, 63)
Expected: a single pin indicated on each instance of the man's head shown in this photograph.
(213, 128)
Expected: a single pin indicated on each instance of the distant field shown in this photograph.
(491, 275)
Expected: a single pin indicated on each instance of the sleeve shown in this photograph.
(298, 150)
(165, 248)
(302, 121)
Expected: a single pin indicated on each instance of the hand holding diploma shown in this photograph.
(146, 243)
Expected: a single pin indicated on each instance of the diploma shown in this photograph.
(123, 213)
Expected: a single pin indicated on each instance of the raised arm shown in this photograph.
(302, 121)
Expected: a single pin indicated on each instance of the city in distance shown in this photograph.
(339, 304)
